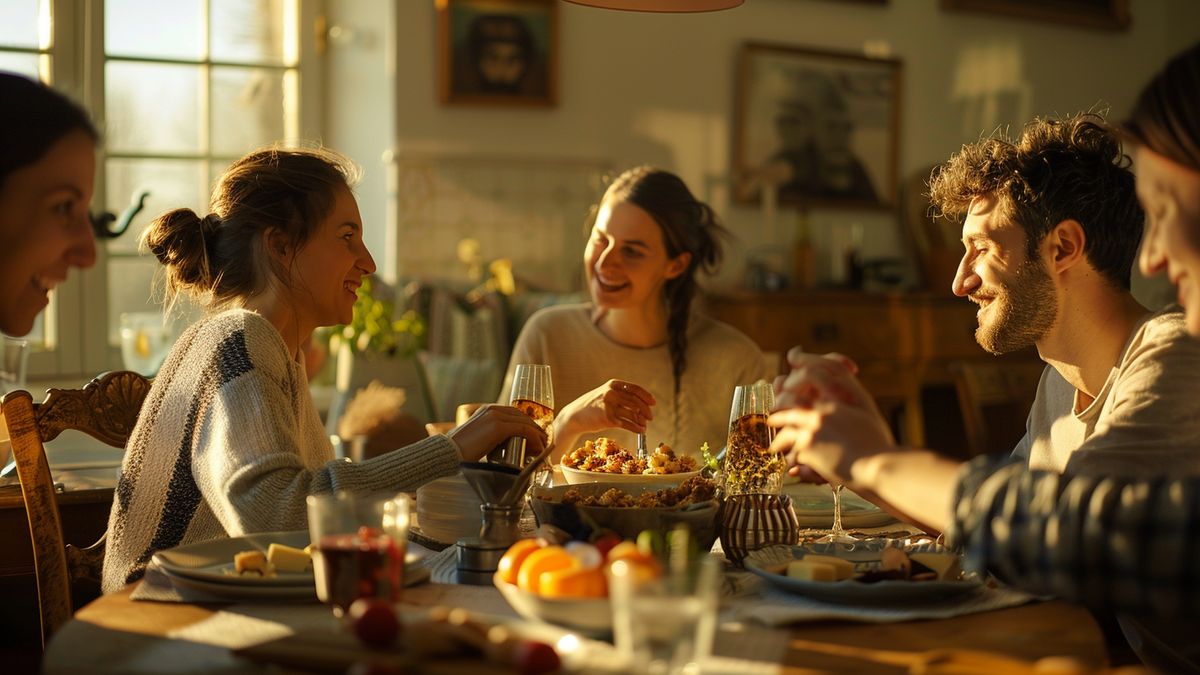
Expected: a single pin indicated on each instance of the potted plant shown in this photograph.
(377, 345)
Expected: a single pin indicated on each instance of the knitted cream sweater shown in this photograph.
(229, 442)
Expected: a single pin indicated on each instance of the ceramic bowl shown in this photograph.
(588, 615)
(628, 522)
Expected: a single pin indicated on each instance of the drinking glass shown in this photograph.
(14, 366)
(665, 625)
(837, 534)
(145, 341)
(750, 467)
(533, 394)
(359, 544)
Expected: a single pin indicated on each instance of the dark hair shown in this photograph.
(1166, 116)
(688, 226)
(218, 258)
(1059, 169)
(33, 117)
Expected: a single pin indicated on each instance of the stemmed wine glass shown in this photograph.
(533, 394)
(836, 533)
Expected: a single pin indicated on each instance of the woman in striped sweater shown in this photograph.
(229, 441)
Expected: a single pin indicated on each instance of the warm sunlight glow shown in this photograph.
(45, 25)
(291, 32)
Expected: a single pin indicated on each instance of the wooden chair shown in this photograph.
(106, 409)
(995, 397)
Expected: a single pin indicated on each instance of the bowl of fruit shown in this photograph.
(564, 583)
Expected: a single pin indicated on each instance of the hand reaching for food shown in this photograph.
(616, 404)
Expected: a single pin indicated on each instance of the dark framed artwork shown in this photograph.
(819, 127)
(1111, 14)
(498, 52)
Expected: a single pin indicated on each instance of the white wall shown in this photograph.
(645, 88)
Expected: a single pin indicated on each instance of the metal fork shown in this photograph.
(641, 446)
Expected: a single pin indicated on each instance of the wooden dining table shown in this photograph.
(117, 633)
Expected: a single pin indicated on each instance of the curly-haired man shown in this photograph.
(1051, 227)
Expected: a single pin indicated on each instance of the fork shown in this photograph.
(641, 446)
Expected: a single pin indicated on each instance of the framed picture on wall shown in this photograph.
(1112, 14)
(498, 52)
(819, 128)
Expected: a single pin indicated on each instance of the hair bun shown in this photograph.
(179, 239)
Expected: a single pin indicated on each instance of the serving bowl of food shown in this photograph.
(604, 460)
(629, 509)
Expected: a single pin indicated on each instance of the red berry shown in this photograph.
(534, 658)
(367, 533)
(374, 621)
(605, 543)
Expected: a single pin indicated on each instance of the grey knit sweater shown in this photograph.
(229, 442)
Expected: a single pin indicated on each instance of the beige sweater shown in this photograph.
(1144, 422)
(229, 442)
(582, 358)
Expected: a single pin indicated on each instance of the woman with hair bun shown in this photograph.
(229, 441)
(637, 359)
(47, 167)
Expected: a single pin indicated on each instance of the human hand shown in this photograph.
(614, 404)
(828, 438)
(815, 378)
(490, 426)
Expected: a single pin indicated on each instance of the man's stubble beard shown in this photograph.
(1022, 312)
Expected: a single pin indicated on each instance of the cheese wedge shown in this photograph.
(820, 568)
(288, 559)
(947, 565)
(252, 562)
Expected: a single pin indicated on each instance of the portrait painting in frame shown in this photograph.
(498, 52)
(818, 127)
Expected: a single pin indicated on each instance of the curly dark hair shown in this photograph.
(1071, 168)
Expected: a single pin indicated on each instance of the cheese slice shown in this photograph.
(820, 568)
(288, 559)
(252, 562)
(947, 565)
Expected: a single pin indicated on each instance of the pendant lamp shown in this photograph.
(661, 5)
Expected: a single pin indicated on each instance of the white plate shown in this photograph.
(813, 505)
(211, 562)
(578, 476)
(863, 554)
(588, 615)
(246, 592)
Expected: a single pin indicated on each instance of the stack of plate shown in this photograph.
(208, 566)
(814, 507)
(448, 510)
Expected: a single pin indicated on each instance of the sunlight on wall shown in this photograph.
(991, 88)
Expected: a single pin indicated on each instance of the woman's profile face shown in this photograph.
(44, 228)
(1170, 194)
(329, 268)
(626, 259)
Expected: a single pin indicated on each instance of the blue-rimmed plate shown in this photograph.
(865, 555)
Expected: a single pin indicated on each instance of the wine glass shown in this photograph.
(837, 535)
(533, 394)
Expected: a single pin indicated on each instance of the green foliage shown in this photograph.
(374, 330)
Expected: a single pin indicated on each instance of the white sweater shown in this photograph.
(581, 358)
(229, 442)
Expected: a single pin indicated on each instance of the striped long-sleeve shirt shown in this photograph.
(229, 442)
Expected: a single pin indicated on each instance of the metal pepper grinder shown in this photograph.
(478, 557)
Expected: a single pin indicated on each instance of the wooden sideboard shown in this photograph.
(904, 344)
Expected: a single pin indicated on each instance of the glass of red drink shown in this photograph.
(359, 543)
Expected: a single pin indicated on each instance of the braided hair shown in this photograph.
(688, 226)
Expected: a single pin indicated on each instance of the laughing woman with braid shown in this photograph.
(228, 441)
(637, 358)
